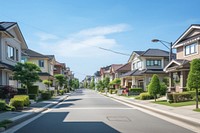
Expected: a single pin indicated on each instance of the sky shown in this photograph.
(73, 30)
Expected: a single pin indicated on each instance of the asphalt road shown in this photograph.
(88, 112)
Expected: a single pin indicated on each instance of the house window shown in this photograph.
(190, 49)
(41, 63)
(17, 55)
(153, 62)
(10, 52)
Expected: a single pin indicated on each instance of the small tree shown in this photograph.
(92, 84)
(47, 83)
(106, 82)
(26, 73)
(60, 79)
(154, 86)
(193, 81)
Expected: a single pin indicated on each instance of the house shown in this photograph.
(59, 68)
(45, 62)
(105, 72)
(188, 48)
(143, 65)
(11, 44)
(97, 77)
(113, 69)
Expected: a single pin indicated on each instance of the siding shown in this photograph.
(181, 53)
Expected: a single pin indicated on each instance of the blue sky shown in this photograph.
(73, 29)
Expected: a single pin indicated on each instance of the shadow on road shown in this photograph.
(53, 123)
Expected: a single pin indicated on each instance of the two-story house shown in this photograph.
(105, 72)
(11, 44)
(188, 48)
(59, 68)
(143, 65)
(113, 71)
(45, 62)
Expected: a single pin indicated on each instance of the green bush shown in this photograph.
(163, 88)
(136, 90)
(110, 91)
(52, 92)
(17, 103)
(21, 91)
(61, 92)
(25, 98)
(179, 97)
(145, 96)
(33, 90)
(46, 95)
(32, 96)
(10, 108)
(2, 105)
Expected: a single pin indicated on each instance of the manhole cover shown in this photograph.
(118, 118)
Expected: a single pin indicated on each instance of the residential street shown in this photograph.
(86, 111)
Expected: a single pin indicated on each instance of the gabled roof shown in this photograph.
(155, 53)
(193, 26)
(178, 62)
(6, 25)
(32, 53)
(135, 52)
(125, 67)
(116, 66)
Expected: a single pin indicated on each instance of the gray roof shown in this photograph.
(155, 53)
(139, 52)
(6, 66)
(50, 56)
(32, 53)
(5, 25)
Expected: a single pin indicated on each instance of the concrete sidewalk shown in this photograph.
(34, 109)
(184, 113)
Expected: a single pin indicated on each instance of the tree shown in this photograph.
(47, 83)
(193, 81)
(92, 84)
(154, 86)
(60, 79)
(26, 73)
(106, 82)
(116, 82)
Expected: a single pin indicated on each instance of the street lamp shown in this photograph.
(164, 43)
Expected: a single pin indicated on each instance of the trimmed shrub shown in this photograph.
(2, 105)
(52, 92)
(179, 97)
(25, 98)
(32, 96)
(46, 95)
(10, 108)
(33, 90)
(163, 88)
(145, 96)
(61, 92)
(22, 91)
(17, 103)
(135, 91)
(110, 91)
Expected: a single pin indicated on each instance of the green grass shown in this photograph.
(180, 104)
(197, 110)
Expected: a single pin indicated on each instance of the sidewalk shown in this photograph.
(184, 113)
(31, 111)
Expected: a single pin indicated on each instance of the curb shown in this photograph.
(185, 119)
(19, 119)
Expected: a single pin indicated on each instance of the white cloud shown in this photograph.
(45, 36)
(84, 43)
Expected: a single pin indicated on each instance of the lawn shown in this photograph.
(180, 104)
(197, 110)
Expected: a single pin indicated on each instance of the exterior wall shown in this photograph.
(4, 77)
(181, 53)
(36, 61)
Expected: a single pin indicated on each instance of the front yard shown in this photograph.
(179, 104)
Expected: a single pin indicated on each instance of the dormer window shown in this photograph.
(191, 49)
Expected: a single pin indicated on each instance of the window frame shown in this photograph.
(153, 62)
(188, 49)
(10, 52)
(41, 63)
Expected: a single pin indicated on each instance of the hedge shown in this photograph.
(2, 105)
(46, 95)
(32, 96)
(17, 103)
(33, 90)
(145, 96)
(22, 91)
(61, 92)
(25, 98)
(136, 90)
(179, 97)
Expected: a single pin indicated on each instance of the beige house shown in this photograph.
(45, 62)
(188, 48)
(143, 65)
(11, 44)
